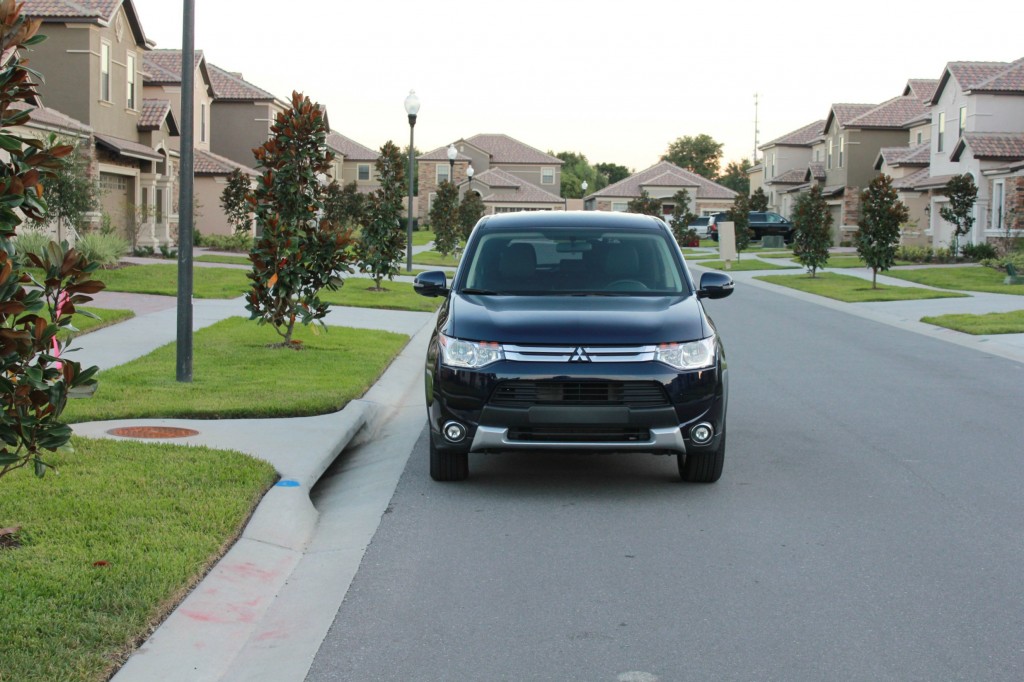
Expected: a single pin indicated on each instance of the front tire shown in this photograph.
(705, 467)
(446, 465)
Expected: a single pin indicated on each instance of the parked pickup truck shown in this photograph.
(761, 223)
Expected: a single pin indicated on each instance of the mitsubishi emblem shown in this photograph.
(579, 355)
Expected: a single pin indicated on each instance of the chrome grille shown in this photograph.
(580, 353)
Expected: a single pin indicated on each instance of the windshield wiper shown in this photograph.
(479, 292)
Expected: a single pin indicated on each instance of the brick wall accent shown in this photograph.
(604, 205)
(1015, 202)
(428, 182)
(851, 206)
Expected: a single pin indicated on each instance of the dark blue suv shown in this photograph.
(575, 331)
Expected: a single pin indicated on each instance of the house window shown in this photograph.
(942, 130)
(842, 150)
(997, 205)
(442, 173)
(130, 67)
(918, 137)
(364, 171)
(828, 159)
(202, 122)
(547, 176)
(159, 206)
(620, 206)
(145, 204)
(430, 201)
(963, 122)
(773, 165)
(105, 72)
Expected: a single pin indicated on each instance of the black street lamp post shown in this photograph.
(412, 107)
(452, 153)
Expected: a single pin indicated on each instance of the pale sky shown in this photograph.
(617, 81)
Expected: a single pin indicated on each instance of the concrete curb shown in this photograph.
(204, 635)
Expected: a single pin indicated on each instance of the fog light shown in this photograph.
(701, 433)
(454, 432)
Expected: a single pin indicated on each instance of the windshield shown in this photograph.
(558, 261)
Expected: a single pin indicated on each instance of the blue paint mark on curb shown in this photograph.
(288, 483)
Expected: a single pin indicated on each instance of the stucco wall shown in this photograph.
(238, 127)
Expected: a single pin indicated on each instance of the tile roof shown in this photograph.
(350, 149)
(87, 11)
(911, 181)
(660, 172)
(163, 67)
(127, 148)
(1004, 146)
(844, 113)
(441, 154)
(154, 113)
(971, 74)
(51, 119)
(816, 170)
(795, 189)
(895, 113)
(507, 188)
(933, 181)
(916, 155)
(921, 88)
(232, 87)
(505, 149)
(208, 163)
(1010, 80)
(794, 176)
(77, 9)
(801, 137)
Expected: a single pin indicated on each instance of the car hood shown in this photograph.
(576, 320)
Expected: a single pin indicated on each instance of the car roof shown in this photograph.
(569, 219)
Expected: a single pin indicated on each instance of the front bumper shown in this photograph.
(472, 398)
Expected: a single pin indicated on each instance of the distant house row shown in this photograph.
(969, 120)
(106, 86)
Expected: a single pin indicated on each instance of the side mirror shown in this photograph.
(431, 284)
(715, 285)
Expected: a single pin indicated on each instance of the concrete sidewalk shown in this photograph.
(236, 606)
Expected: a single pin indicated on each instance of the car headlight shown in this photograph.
(471, 354)
(690, 355)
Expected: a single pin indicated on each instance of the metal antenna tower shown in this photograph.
(757, 132)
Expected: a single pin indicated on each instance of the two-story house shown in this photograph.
(353, 162)
(977, 122)
(241, 115)
(92, 63)
(531, 167)
(162, 84)
(854, 136)
(662, 181)
(785, 161)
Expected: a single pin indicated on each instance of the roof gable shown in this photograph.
(232, 87)
(155, 112)
(921, 88)
(505, 149)
(99, 12)
(894, 113)
(634, 184)
(350, 149)
(801, 137)
(970, 75)
(990, 146)
(844, 113)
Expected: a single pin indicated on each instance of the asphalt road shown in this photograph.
(868, 526)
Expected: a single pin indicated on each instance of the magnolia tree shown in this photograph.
(300, 252)
(681, 219)
(444, 218)
(741, 223)
(382, 241)
(813, 224)
(471, 210)
(234, 201)
(881, 215)
(35, 377)
(344, 205)
(73, 191)
(645, 204)
(962, 193)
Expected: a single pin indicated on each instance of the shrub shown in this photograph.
(915, 254)
(1017, 258)
(241, 243)
(977, 252)
(31, 241)
(104, 249)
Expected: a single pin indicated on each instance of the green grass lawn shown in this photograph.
(422, 237)
(434, 258)
(162, 279)
(745, 265)
(964, 279)
(852, 289)
(398, 296)
(230, 260)
(109, 546)
(236, 375)
(989, 323)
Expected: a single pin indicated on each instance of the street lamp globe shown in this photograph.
(583, 186)
(412, 103)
